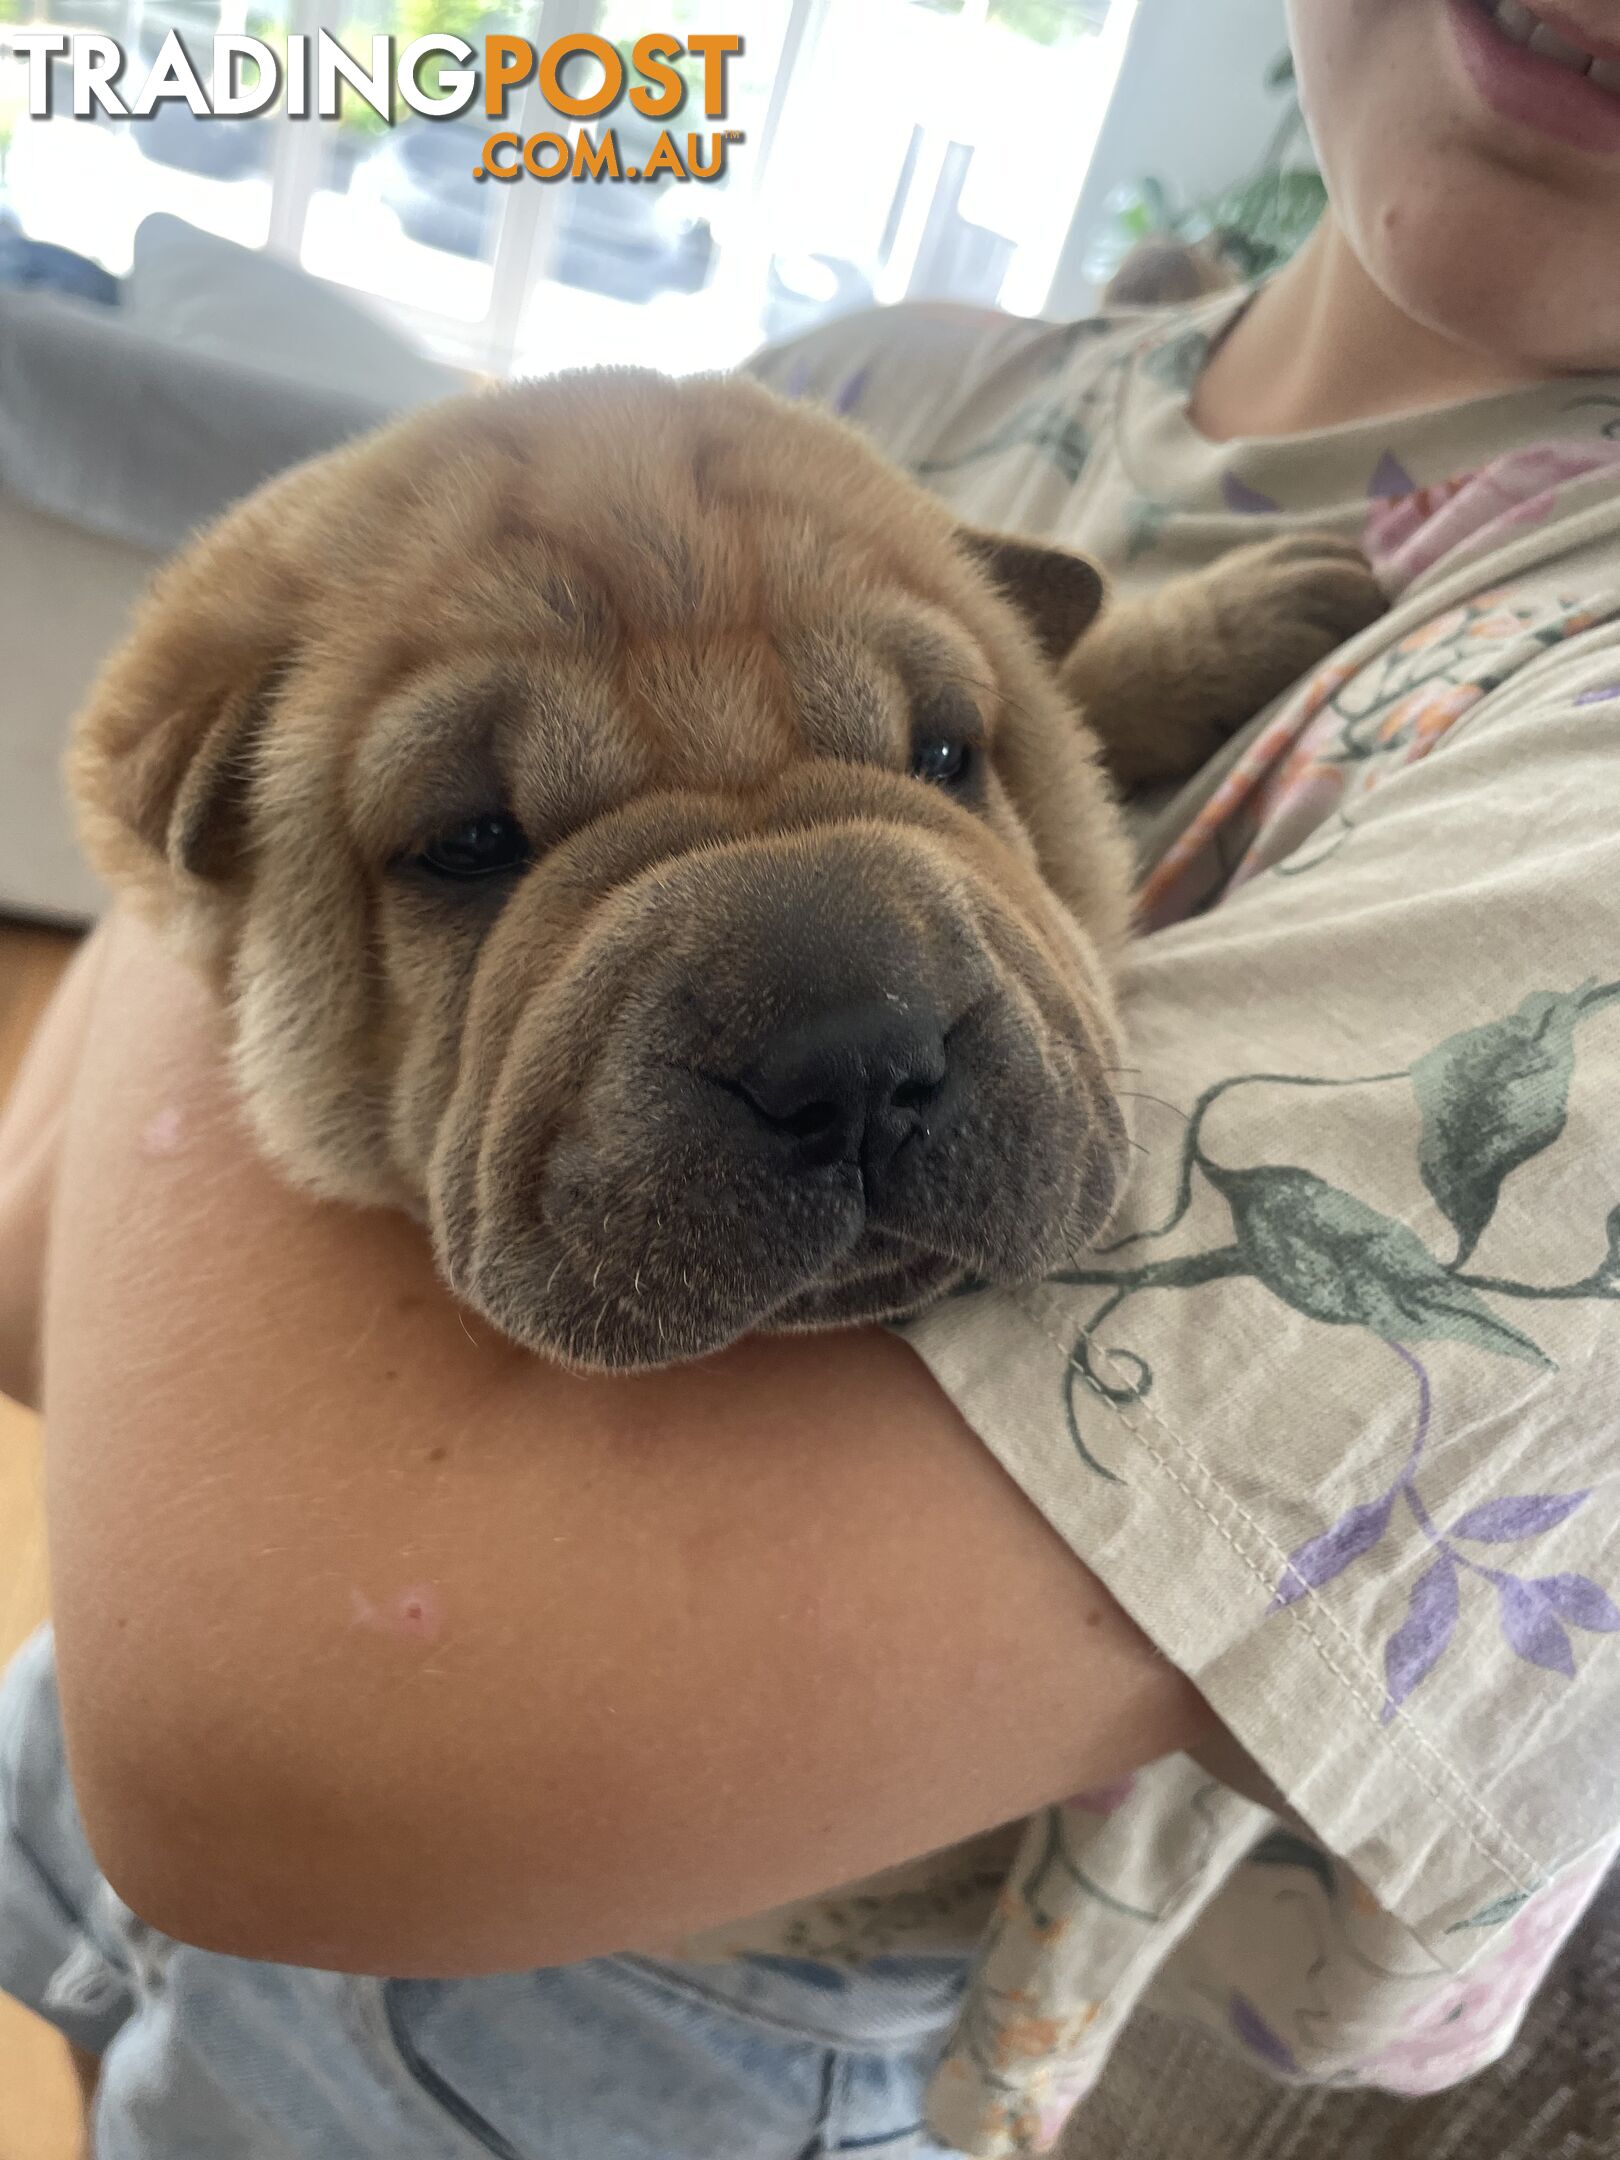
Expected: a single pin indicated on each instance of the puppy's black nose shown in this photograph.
(852, 1085)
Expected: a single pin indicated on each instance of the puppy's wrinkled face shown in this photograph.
(637, 836)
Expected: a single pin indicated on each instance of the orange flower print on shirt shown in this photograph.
(1233, 795)
(1339, 736)
(1039, 2039)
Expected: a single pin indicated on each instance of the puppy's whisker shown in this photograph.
(1141, 1095)
(986, 690)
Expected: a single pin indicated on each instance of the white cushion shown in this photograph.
(194, 289)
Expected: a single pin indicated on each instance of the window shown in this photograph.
(87, 183)
(891, 149)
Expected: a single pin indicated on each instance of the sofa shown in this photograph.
(122, 429)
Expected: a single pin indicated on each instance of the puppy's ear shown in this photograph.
(1059, 594)
(206, 828)
(161, 769)
(165, 750)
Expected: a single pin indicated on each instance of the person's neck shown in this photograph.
(1321, 346)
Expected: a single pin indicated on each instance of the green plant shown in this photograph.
(354, 116)
(1255, 225)
(409, 20)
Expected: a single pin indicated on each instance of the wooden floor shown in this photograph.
(39, 2100)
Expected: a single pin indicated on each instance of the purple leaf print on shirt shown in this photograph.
(851, 392)
(1577, 1599)
(1317, 1562)
(798, 381)
(1517, 1516)
(1252, 2029)
(1390, 477)
(1419, 1643)
(1247, 501)
(1530, 1628)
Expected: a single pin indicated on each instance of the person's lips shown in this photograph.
(1538, 71)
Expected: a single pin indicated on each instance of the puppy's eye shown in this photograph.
(480, 848)
(942, 760)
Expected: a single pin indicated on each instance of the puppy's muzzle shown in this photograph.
(829, 1071)
(854, 1085)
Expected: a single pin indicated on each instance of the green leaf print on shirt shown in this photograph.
(1332, 1257)
(1178, 362)
(1493, 1915)
(1281, 1848)
(1061, 427)
(1492, 1098)
(1145, 520)
(1058, 425)
(1064, 438)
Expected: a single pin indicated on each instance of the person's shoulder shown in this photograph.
(913, 377)
(834, 362)
(918, 344)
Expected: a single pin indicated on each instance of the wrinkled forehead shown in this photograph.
(566, 671)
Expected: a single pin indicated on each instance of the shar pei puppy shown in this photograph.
(640, 833)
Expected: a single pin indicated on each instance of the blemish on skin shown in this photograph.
(416, 1614)
(437, 1454)
(164, 1133)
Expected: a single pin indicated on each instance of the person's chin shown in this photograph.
(1482, 253)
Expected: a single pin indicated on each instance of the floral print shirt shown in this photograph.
(1333, 1411)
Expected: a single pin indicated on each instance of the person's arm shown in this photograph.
(32, 1117)
(387, 1647)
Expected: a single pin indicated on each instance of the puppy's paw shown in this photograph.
(1165, 680)
(1283, 605)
